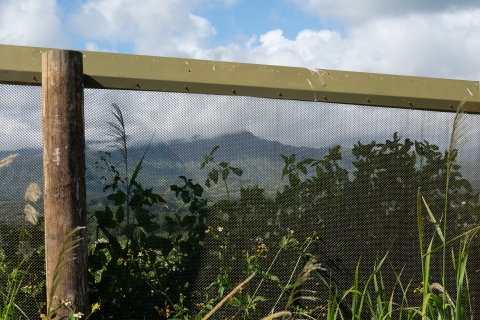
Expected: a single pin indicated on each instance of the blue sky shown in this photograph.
(437, 38)
(434, 38)
(239, 22)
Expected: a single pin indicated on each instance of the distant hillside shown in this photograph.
(259, 158)
(165, 162)
(238, 146)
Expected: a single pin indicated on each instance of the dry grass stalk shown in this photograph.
(438, 290)
(286, 314)
(304, 275)
(225, 299)
(6, 161)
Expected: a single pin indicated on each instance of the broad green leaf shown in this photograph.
(119, 197)
(223, 164)
(189, 221)
(225, 173)
(105, 218)
(260, 298)
(120, 214)
(294, 180)
(302, 168)
(213, 175)
(292, 158)
(237, 171)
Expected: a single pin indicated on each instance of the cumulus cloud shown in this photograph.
(424, 38)
(360, 11)
(416, 40)
(436, 45)
(31, 23)
(171, 116)
(168, 29)
(20, 117)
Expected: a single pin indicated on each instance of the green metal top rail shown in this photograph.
(22, 65)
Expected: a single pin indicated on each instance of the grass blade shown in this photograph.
(434, 221)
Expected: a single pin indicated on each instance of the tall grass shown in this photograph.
(436, 300)
(9, 309)
(373, 300)
(368, 299)
(436, 303)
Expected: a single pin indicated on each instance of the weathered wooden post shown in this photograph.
(64, 172)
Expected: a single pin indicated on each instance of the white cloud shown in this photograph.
(441, 43)
(31, 23)
(359, 11)
(230, 3)
(167, 29)
(170, 116)
(409, 37)
(438, 45)
(425, 38)
(20, 117)
(91, 46)
(273, 48)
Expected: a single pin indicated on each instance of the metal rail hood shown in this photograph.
(22, 65)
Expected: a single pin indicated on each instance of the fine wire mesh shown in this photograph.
(252, 134)
(21, 133)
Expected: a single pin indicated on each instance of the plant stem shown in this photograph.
(445, 210)
(228, 296)
(270, 267)
(291, 276)
(224, 180)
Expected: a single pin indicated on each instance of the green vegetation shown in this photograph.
(16, 269)
(240, 250)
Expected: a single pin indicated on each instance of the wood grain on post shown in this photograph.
(64, 172)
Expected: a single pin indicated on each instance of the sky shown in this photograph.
(433, 38)
(436, 38)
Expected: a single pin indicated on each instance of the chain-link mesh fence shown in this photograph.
(350, 191)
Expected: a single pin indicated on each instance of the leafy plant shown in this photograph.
(138, 255)
(142, 251)
(220, 169)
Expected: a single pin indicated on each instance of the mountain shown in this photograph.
(238, 146)
(163, 163)
(259, 159)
